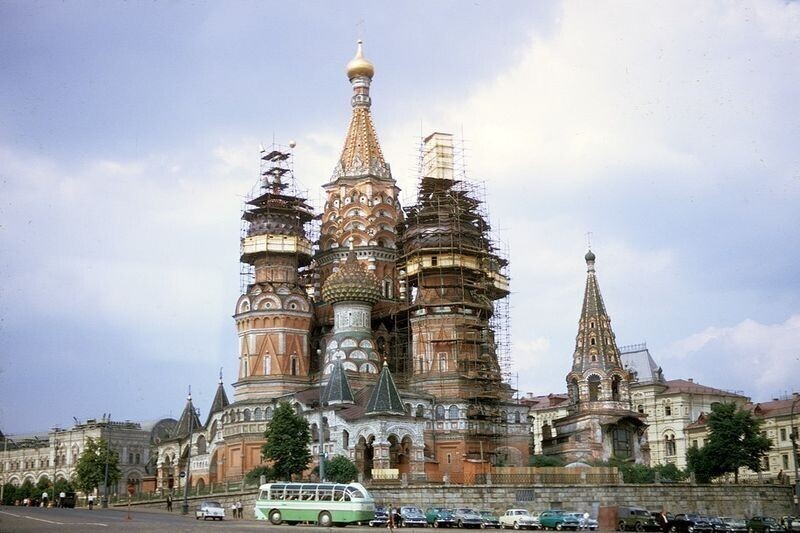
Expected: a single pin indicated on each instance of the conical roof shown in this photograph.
(220, 401)
(352, 282)
(385, 398)
(337, 391)
(595, 344)
(188, 420)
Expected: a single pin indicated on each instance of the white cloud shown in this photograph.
(760, 359)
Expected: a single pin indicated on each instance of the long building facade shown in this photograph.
(374, 320)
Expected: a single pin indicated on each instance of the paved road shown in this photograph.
(29, 519)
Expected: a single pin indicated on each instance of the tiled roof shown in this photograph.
(676, 386)
(337, 391)
(385, 398)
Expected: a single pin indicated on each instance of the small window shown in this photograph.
(592, 341)
(668, 410)
(449, 459)
(783, 434)
(640, 408)
(434, 261)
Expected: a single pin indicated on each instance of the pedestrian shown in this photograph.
(61, 496)
(390, 521)
(90, 499)
(44, 499)
(663, 521)
(233, 510)
(169, 502)
(239, 509)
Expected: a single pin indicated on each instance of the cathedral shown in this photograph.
(376, 322)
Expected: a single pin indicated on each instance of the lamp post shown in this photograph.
(795, 457)
(104, 501)
(55, 458)
(192, 412)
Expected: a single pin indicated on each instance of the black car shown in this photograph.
(410, 516)
(690, 523)
(763, 524)
(726, 524)
(381, 517)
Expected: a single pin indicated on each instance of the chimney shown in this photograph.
(690, 380)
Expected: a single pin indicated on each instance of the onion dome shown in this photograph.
(351, 283)
(358, 66)
(590, 257)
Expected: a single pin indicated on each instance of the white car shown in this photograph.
(518, 519)
(213, 510)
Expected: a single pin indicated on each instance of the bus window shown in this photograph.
(354, 493)
(338, 493)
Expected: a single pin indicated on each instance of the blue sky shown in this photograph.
(129, 134)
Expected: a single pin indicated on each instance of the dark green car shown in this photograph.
(763, 524)
(440, 517)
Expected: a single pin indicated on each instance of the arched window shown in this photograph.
(294, 365)
(267, 364)
(574, 390)
(670, 449)
(443, 362)
(247, 415)
(594, 388)
(667, 409)
(201, 445)
(439, 412)
(345, 439)
(615, 381)
(453, 412)
(516, 417)
(420, 411)
(257, 414)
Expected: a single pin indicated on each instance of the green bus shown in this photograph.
(326, 504)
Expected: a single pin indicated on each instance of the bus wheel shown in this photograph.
(324, 519)
(275, 517)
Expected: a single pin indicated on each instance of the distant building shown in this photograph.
(54, 454)
(670, 406)
(778, 417)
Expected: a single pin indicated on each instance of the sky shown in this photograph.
(129, 135)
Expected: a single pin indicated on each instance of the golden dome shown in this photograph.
(358, 66)
(351, 283)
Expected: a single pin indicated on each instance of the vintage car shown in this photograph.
(636, 519)
(209, 509)
(790, 524)
(489, 519)
(558, 520)
(690, 523)
(518, 519)
(585, 521)
(410, 516)
(440, 517)
(726, 524)
(467, 517)
(763, 524)
(381, 517)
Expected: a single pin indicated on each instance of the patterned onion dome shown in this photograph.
(351, 283)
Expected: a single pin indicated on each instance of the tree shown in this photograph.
(734, 441)
(91, 469)
(254, 476)
(288, 438)
(340, 469)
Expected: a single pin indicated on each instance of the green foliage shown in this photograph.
(91, 468)
(288, 438)
(254, 476)
(669, 472)
(634, 473)
(340, 469)
(43, 484)
(545, 460)
(734, 441)
(9, 494)
(62, 485)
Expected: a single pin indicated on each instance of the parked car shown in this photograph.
(489, 519)
(636, 519)
(558, 520)
(765, 524)
(726, 524)
(467, 517)
(518, 519)
(381, 517)
(690, 523)
(440, 517)
(790, 523)
(213, 510)
(410, 516)
(585, 521)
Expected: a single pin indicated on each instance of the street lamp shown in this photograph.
(795, 457)
(104, 502)
(192, 412)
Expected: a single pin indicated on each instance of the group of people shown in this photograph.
(236, 509)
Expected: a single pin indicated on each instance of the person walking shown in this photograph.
(90, 501)
(169, 503)
(239, 509)
(233, 510)
(390, 521)
(663, 521)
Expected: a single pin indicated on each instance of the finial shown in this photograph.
(220, 375)
(385, 363)
(189, 397)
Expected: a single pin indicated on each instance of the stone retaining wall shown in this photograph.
(723, 500)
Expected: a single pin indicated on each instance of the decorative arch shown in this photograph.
(595, 387)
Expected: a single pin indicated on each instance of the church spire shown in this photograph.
(385, 398)
(361, 155)
(597, 374)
